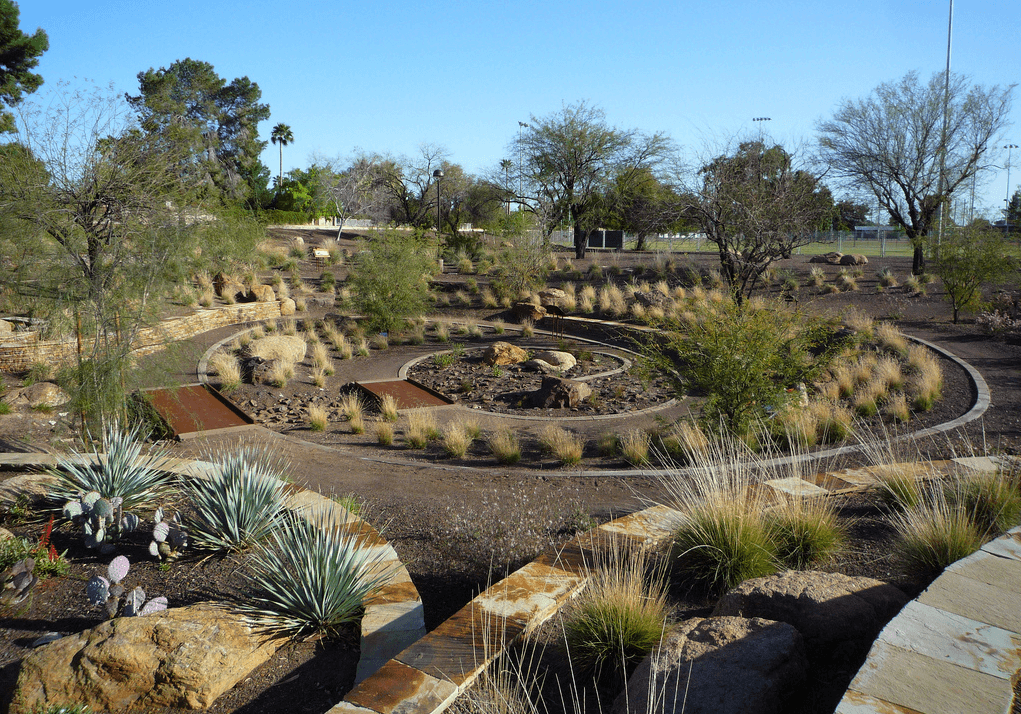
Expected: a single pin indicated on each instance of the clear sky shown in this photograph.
(389, 76)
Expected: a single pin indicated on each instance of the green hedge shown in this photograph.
(275, 217)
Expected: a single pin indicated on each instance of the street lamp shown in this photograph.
(521, 125)
(1009, 148)
(438, 175)
(760, 120)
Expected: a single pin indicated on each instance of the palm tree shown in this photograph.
(506, 165)
(282, 135)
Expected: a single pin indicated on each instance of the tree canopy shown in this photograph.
(213, 123)
(892, 144)
(568, 160)
(757, 207)
(19, 55)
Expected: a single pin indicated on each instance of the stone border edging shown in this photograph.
(955, 647)
(394, 616)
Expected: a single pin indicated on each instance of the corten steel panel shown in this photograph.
(408, 394)
(197, 408)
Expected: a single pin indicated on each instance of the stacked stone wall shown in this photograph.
(20, 350)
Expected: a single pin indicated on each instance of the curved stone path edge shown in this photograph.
(393, 616)
(977, 409)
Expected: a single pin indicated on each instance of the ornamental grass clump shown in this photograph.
(384, 433)
(228, 369)
(352, 407)
(804, 531)
(634, 447)
(388, 408)
(505, 447)
(934, 533)
(620, 616)
(421, 425)
(564, 445)
(238, 504)
(722, 539)
(992, 500)
(116, 467)
(311, 578)
(317, 418)
(456, 439)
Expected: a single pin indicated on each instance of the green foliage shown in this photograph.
(48, 562)
(311, 578)
(214, 124)
(390, 280)
(720, 547)
(619, 618)
(967, 258)
(743, 357)
(804, 533)
(935, 534)
(238, 505)
(20, 53)
(114, 468)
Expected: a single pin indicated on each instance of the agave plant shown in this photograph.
(311, 578)
(119, 470)
(238, 505)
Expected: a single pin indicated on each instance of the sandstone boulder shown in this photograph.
(558, 393)
(529, 311)
(552, 296)
(829, 258)
(5, 327)
(31, 488)
(183, 657)
(560, 360)
(287, 307)
(832, 611)
(262, 293)
(854, 259)
(38, 394)
(502, 353)
(538, 365)
(225, 285)
(734, 665)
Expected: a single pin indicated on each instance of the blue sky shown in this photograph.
(387, 77)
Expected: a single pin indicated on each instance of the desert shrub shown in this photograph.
(620, 617)
(389, 280)
(384, 432)
(890, 338)
(388, 407)
(991, 500)
(312, 578)
(421, 426)
(116, 467)
(504, 446)
(562, 444)
(353, 408)
(238, 505)
(744, 359)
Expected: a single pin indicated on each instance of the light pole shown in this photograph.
(760, 120)
(1009, 148)
(438, 175)
(521, 125)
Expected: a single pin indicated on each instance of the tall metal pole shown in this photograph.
(1006, 201)
(521, 125)
(438, 175)
(943, 136)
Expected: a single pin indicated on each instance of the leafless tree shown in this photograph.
(350, 187)
(757, 206)
(893, 144)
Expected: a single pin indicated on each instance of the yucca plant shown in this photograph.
(238, 505)
(311, 579)
(115, 468)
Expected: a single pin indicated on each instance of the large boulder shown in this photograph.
(529, 311)
(39, 394)
(262, 293)
(552, 296)
(558, 393)
(562, 361)
(828, 258)
(227, 285)
(502, 353)
(183, 657)
(836, 614)
(31, 489)
(5, 327)
(854, 259)
(734, 666)
(287, 307)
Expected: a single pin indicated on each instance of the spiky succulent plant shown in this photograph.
(238, 505)
(311, 578)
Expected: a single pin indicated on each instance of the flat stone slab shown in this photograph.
(1006, 547)
(923, 684)
(794, 486)
(977, 600)
(952, 638)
